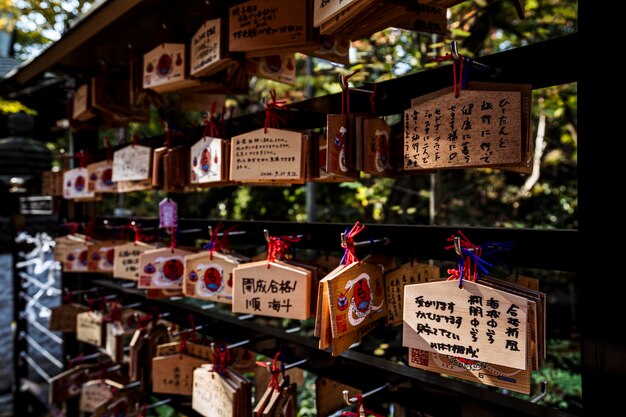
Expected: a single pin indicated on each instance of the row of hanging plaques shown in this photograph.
(491, 330)
(487, 125)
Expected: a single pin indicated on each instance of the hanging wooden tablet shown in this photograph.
(162, 268)
(395, 281)
(474, 322)
(75, 184)
(280, 290)
(132, 163)
(210, 276)
(361, 18)
(165, 68)
(280, 68)
(63, 317)
(114, 341)
(89, 328)
(100, 176)
(478, 128)
(500, 376)
(101, 256)
(71, 252)
(189, 348)
(267, 156)
(261, 28)
(136, 346)
(319, 163)
(209, 49)
(340, 148)
(52, 183)
(331, 48)
(82, 110)
(208, 161)
(212, 394)
(157, 166)
(377, 147)
(67, 384)
(329, 396)
(356, 297)
(126, 259)
(95, 392)
(176, 170)
(76, 257)
(173, 374)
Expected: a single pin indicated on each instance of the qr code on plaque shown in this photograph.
(342, 324)
(419, 357)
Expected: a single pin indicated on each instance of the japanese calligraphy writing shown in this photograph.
(261, 156)
(258, 24)
(205, 46)
(476, 322)
(478, 128)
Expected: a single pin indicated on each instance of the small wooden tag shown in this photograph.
(162, 268)
(475, 322)
(272, 156)
(165, 68)
(208, 49)
(126, 259)
(329, 397)
(94, 393)
(212, 394)
(282, 290)
(168, 213)
(63, 317)
(356, 297)
(395, 281)
(75, 184)
(191, 349)
(89, 328)
(207, 161)
(101, 256)
(114, 341)
(101, 177)
(173, 374)
(67, 384)
(340, 149)
(280, 68)
(377, 146)
(132, 163)
(210, 279)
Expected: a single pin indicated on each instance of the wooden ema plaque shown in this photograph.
(275, 156)
(101, 256)
(329, 395)
(376, 146)
(195, 350)
(94, 393)
(212, 395)
(478, 128)
(259, 25)
(162, 268)
(276, 67)
(89, 328)
(100, 176)
(210, 277)
(165, 68)
(173, 374)
(76, 258)
(475, 322)
(356, 297)
(282, 290)
(81, 104)
(132, 163)
(397, 279)
(126, 259)
(209, 161)
(361, 18)
(75, 184)
(209, 50)
(340, 148)
(67, 384)
(52, 183)
(63, 317)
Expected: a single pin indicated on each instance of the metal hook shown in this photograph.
(350, 401)
(457, 246)
(454, 51)
(542, 392)
(383, 241)
(266, 235)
